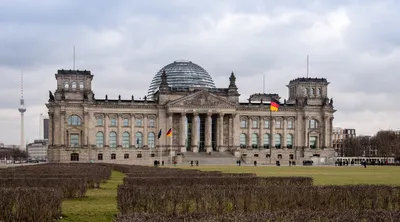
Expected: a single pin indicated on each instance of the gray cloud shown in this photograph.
(354, 44)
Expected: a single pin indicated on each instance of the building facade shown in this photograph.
(338, 136)
(202, 118)
(37, 150)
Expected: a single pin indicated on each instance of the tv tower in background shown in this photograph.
(22, 110)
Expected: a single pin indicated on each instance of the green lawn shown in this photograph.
(325, 175)
(99, 205)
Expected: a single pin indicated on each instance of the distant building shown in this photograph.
(46, 128)
(37, 150)
(339, 135)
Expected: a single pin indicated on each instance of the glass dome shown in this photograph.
(182, 74)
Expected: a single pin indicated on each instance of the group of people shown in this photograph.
(157, 163)
(191, 163)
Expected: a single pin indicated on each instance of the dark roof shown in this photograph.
(73, 72)
(309, 79)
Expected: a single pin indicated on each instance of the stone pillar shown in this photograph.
(182, 132)
(208, 131)
(261, 132)
(145, 131)
(249, 126)
(106, 133)
(195, 145)
(169, 138)
(51, 130)
(119, 130)
(305, 119)
(330, 132)
(284, 136)
(230, 126)
(62, 131)
(133, 133)
(234, 136)
(325, 136)
(272, 133)
(86, 136)
(221, 131)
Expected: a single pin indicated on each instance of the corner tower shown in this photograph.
(74, 85)
(311, 91)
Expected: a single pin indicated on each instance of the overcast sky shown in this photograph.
(354, 44)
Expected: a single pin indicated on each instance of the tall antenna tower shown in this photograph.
(22, 110)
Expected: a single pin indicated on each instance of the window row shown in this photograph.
(265, 141)
(113, 156)
(126, 140)
(126, 122)
(256, 124)
(313, 91)
(279, 156)
(73, 85)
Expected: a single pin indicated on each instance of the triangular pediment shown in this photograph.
(201, 99)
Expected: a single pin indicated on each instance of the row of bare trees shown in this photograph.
(383, 144)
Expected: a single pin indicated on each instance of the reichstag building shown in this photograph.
(203, 119)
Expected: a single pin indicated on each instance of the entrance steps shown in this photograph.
(216, 158)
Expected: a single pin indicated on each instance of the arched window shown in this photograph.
(139, 140)
(306, 91)
(151, 140)
(254, 140)
(318, 91)
(243, 141)
(312, 91)
(113, 156)
(313, 124)
(100, 139)
(266, 141)
(81, 85)
(66, 85)
(278, 141)
(74, 157)
(74, 120)
(289, 141)
(113, 139)
(279, 156)
(126, 140)
(73, 85)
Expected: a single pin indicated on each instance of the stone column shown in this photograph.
(169, 138)
(182, 132)
(133, 133)
(195, 145)
(305, 119)
(62, 124)
(106, 133)
(86, 135)
(330, 132)
(51, 132)
(119, 130)
(230, 123)
(261, 133)
(272, 133)
(284, 136)
(145, 131)
(208, 131)
(221, 131)
(234, 125)
(249, 126)
(325, 136)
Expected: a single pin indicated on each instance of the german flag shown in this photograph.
(274, 105)
(169, 133)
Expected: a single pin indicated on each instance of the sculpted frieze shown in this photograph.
(201, 99)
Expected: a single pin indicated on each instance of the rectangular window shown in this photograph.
(99, 122)
(113, 122)
(266, 124)
(255, 124)
(290, 124)
(126, 156)
(278, 124)
(126, 122)
(74, 140)
(99, 156)
(313, 142)
(139, 122)
(243, 124)
(151, 123)
(113, 156)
